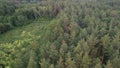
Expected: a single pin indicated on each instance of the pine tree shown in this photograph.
(109, 65)
(86, 60)
(114, 62)
(60, 63)
(44, 63)
(32, 60)
(51, 66)
(64, 48)
(19, 63)
(97, 63)
(69, 62)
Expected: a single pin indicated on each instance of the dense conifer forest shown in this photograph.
(60, 33)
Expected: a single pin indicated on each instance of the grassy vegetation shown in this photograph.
(36, 27)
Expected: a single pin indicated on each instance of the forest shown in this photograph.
(59, 33)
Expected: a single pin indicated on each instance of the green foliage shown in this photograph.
(6, 8)
(60, 34)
